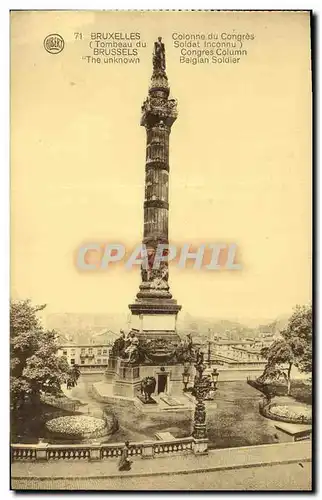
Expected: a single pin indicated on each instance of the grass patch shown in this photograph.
(300, 391)
(29, 425)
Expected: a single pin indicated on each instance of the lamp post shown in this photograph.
(185, 377)
(214, 378)
(202, 386)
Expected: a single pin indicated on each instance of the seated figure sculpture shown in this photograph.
(131, 351)
(119, 345)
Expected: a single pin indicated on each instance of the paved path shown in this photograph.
(81, 392)
(27, 474)
(274, 477)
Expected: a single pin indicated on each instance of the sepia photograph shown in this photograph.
(161, 250)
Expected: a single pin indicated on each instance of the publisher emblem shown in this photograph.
(54, 43)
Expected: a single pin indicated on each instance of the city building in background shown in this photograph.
(90, 357)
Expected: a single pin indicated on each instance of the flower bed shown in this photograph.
(294, 412)
(78, 426)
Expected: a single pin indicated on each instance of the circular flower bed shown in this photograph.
(77, 426)
(298, 413)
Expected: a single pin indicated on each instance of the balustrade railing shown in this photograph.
(115, 450)
(68, 453)
(96, 451)
(173, 446)
(108, 451)
(23, 452)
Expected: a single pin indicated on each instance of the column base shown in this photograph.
(154, 306)
(199, 431)
(156, 323)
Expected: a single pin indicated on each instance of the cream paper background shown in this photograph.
(240, 161)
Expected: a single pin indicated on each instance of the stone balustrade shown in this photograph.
(115, 450)
(23, 452)
(58, 452)
(173, 446)
(97, 451)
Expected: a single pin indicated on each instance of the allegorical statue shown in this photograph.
(119, 345)
(131, 350)
(159, 55)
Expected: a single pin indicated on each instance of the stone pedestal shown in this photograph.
(199, 431)
(126, 388)
(127, 379)
(95, 452)
(154, 320)
(288, 432)
(145, 323)
(200, 446)
(41, 451)
(147, 450)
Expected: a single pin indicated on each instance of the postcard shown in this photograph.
(161, 250)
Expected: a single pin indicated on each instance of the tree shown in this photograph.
(293, 349)
(298, 334)
(35, 366)
(279, 353)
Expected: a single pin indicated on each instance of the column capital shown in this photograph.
(158, 110)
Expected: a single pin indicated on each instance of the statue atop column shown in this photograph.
(159, 55)
(158, 115)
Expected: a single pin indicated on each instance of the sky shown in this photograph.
(240, 161)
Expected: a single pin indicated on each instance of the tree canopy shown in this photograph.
(35, 366)
(293, 348)
(298, 335)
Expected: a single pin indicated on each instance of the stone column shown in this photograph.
(155, 310)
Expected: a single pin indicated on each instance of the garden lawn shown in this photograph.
(30, 425)
(301, 391)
